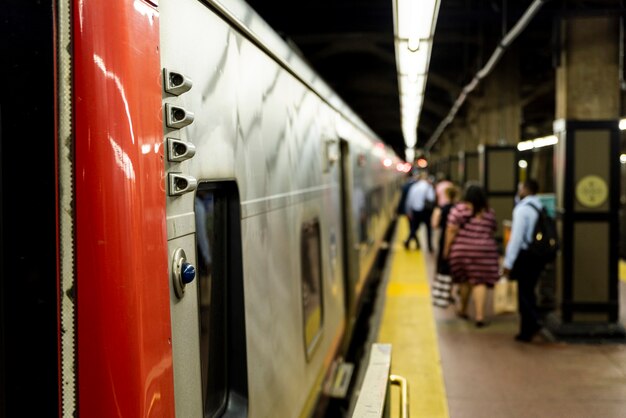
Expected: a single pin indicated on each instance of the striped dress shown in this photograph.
(474, 252)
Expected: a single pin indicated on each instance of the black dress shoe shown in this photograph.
(481, 324)
(528, 336)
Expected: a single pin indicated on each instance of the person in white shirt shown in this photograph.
(519, 265)
(420, 202)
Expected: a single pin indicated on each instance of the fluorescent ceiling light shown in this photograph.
(416, 18)
(411, 104)
(408, 85)
(414, 27)
(537, 143)
(525, 146)
(409, 154)
(545, 141)
(412, 62)
(410, 137)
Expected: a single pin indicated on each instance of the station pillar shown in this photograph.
(500, 114)
(499, 177)
(587, 177)
(499, 132)
(468, 166)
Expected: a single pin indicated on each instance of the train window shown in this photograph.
(224, 368)
(211, 247)
(311, 264)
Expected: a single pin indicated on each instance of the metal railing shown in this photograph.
(373, 400)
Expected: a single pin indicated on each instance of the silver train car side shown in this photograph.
(312, 184)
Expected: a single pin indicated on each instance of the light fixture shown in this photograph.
(622, 158)
(414, 25)
(537, 143)
(622, 124)
(409, 154)
(522, 163)
(415, 19)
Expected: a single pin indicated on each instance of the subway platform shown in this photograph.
(457, 370)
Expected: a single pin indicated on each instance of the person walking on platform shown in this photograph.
(442, 285)
(420, 202)
(443, 183)
(519, 265)
(472, 250)
(412, 178)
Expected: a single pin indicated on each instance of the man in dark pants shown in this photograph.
(519, 265)
(420, 200)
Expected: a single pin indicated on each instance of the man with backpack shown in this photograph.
(531, 246)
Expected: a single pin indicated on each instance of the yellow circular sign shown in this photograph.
(592, 191)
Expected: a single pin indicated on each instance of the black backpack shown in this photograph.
(544, 243)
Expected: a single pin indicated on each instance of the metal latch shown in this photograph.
(176, 83)
(179, 184)
(177, 117)
(178, 150)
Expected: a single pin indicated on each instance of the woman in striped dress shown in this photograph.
(471, 249)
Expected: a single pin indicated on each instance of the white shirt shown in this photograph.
(417, 196)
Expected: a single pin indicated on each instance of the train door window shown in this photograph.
(311, 264)
(220, 299)
(210, 234)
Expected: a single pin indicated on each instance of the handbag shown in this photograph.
(442, 287)
(505, 296)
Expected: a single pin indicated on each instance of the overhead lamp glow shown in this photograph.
(416, 18)
(525, 146)
(622, 158)
(413, 44)
(522, 164)
(410, 138)
(545, 141)
(409, 85)
(412, 62)
(409, 154)
(537, 143)
(414, 25)
(622, 124)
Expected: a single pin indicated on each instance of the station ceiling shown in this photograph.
(350, 44)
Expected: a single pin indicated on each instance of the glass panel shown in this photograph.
(311, 283)
(210, 239)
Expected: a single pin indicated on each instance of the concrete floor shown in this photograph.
(488, 374)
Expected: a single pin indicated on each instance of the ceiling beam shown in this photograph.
(443, 83)
(353, 46)
(539, 91)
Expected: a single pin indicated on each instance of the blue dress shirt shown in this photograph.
(524, 220)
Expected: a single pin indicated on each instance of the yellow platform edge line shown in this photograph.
(408, 324)
(622, 270)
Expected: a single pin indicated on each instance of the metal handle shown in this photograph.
(177, 117)
(397, 380)
(176, 83)
(178, 150)
(181, 184)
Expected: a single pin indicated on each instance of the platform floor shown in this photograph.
(456, 370)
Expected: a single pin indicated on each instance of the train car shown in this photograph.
(191, 220)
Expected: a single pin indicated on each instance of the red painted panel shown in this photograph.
(124, 335)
